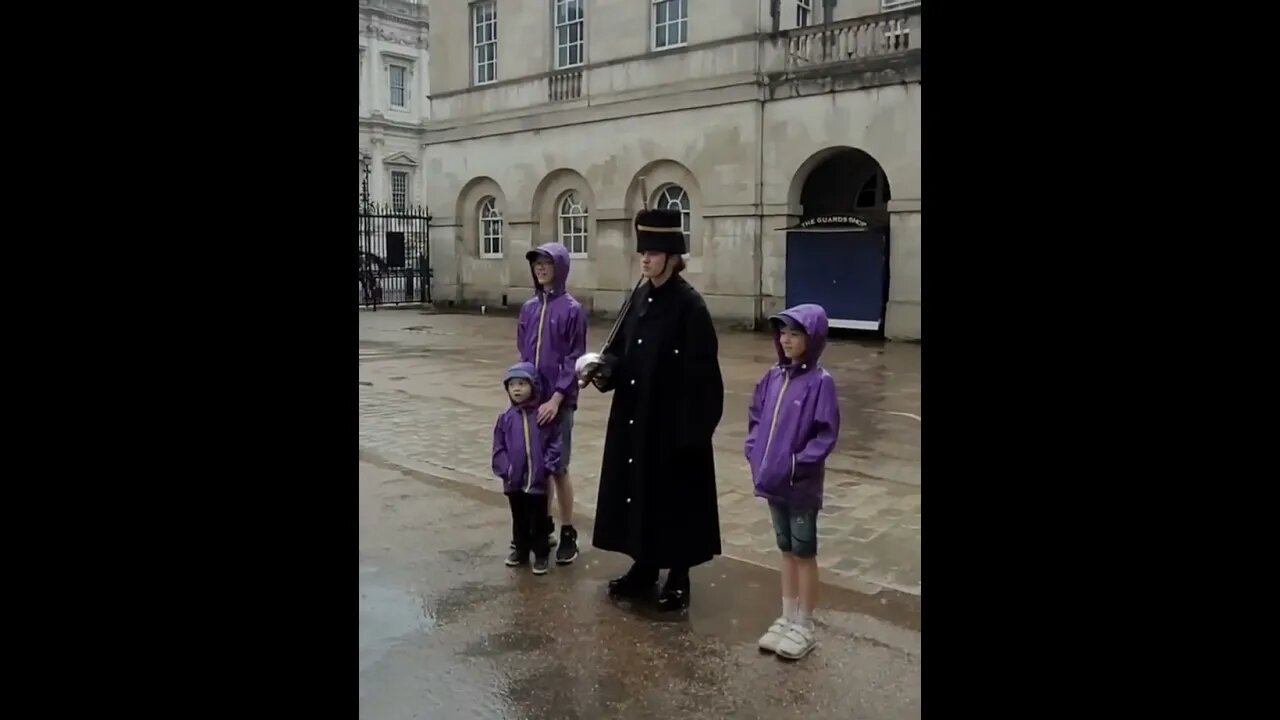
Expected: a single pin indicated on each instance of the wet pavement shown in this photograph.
(430, 389)
(448, 631)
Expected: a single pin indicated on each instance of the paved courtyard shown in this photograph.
(430, 389)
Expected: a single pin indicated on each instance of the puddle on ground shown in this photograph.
(388, 616)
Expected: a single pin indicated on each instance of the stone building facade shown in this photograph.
(558, 119)
(394, 99)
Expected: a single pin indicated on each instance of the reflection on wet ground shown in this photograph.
(447, 631)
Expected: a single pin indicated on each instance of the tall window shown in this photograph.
(670, 23)
(398, 73)
(673, 197)
(490, 229)
(573, 224)
(399, 191)
(484, 41)
(804, 12)
(569, 35)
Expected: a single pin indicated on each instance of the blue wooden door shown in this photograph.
(844, 272)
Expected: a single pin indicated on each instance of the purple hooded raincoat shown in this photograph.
(517, 437)
(793, 420)
(552, 330)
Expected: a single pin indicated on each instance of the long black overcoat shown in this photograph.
(657, 500)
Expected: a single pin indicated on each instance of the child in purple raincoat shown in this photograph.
(552, 334)
(792, 426)
(525, 454)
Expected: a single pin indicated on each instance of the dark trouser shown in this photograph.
(528, 522)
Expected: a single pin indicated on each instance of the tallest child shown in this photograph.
(552, 334)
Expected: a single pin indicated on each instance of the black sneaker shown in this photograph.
(568, 550)
(516, 558)
(540, 565)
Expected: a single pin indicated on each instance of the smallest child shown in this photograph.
(525, 454)
(792, 425)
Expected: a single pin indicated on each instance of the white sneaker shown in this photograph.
(769, 641)
(796, 642)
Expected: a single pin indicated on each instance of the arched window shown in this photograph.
(673, 197)
(490, 229)
(874, 192)
(573, 224)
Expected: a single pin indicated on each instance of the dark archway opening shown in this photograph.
(850, 181)
(846, 270)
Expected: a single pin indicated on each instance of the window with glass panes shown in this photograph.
(569, 27)
(490, 229)
(398, 75)
(573, 224)
(673, 197)
(484, 42)
(399, 191)
(670, 23)
(804, 12)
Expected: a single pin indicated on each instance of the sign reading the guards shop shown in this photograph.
(837, 223)
(827, 220)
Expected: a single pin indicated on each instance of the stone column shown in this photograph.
(424, 82)
(518, 239)
(614, 269)
(446, 266)
(773, 260)
(365, 59)
(902, 316)
(376, 180)
(376, 77)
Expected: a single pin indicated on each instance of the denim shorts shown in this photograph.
(796, 530)
(565, 418)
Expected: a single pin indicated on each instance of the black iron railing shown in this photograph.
(395, 254)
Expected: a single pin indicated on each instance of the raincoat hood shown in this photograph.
(813, 319)
(525, 454)
(559, 255)
(524, 371)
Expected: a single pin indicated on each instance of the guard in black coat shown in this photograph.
(657, 501)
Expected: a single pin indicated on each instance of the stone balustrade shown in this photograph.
(403, 8)
(564, 85)
(888, 33)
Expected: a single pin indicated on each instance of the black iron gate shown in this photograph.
(395, 254)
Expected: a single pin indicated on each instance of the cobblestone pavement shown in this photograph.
(430, 389)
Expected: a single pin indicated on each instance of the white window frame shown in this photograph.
(675, 197)
(480, 41)
(804, 13)
(404, 86)
(571, 207)
(887, 5)
(568, 46)
(682, 23)
(490, 219)
(404, 205)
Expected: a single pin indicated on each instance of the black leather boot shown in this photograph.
(638, 582)
(675, 592)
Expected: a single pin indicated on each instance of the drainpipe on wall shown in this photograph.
(775, 12)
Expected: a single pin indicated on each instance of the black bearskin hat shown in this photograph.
(660, 231)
